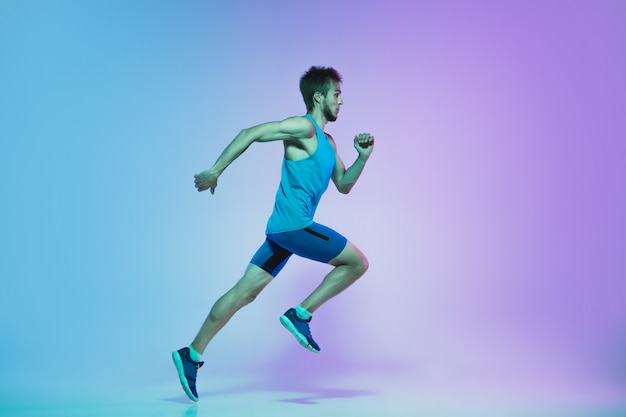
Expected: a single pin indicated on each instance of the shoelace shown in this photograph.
(308, 329)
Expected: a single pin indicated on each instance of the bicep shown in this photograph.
(291, 128)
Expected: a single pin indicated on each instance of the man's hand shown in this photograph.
(206, 180)
(364, 143)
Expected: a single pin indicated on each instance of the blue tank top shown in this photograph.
(301, 186)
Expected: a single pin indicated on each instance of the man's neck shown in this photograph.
(319, 117)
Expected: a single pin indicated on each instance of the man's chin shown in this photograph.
(330, 116)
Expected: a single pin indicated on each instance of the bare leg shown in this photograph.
(350, 265)
(243, 293)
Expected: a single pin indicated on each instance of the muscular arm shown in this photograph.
(291, 128)
(345, 179)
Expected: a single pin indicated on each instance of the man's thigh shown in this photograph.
(317, 242)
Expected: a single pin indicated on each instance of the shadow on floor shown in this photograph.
(315, 395)
(309, 395)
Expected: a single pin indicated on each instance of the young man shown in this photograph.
(310, 162)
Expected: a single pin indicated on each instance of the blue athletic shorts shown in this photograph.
(316, 242)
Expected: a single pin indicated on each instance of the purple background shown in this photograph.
(492, 210)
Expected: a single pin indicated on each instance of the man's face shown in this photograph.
(332, 101)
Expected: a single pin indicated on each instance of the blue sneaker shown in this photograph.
(300, 329)
(187, 371)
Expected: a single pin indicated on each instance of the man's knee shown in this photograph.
(251, 284)
(245, 294)
(360, 262)
(352, 257)
(362, 265)
(366, 264)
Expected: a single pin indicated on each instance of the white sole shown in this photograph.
(178, 362)
(287, 324)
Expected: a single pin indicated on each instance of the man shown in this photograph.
(310, 162)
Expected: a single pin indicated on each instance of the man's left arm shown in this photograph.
(345, 179)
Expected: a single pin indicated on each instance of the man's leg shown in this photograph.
(243, 293)
(188, 360)
(350, 264)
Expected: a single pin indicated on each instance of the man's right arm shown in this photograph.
(292, 128)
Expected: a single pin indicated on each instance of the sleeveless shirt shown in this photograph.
(301, 186)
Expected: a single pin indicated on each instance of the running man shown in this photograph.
(310, 162)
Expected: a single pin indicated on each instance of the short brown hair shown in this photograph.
(317, 80)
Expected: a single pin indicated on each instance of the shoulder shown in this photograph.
(298, 126)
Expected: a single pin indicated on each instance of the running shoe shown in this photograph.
(187, 371)
(300, 329)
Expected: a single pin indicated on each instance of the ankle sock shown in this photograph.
(303, 313)
(195, 356)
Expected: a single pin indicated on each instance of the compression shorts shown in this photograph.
(316, 242)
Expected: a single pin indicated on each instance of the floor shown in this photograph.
(363, 396)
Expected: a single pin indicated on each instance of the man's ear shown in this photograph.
(317, 97)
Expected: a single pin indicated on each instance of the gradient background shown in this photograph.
(492, 210)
